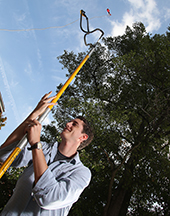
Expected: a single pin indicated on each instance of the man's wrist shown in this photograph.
(37, 145)
(33, 115)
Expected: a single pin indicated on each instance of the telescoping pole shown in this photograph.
(24, 140)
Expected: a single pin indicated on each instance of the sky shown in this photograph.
(29, 67)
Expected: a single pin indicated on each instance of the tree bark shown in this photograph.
(120, 199)
(119, 202)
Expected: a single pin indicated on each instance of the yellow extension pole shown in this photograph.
(24, 140)
(69, 81)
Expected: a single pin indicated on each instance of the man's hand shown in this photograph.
(19, 132)
(43, 104)
(33, 130)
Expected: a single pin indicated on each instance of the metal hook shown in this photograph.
(87, 32)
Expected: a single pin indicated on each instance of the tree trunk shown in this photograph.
(119, 202)
(121, 196)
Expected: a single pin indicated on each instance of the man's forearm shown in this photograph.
(39, 163)
(18, 133)
(20, 130)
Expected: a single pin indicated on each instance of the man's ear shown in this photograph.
(83, 137)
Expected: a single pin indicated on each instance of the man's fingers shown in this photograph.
(44, 103)
(32, 123)
(48, 99)
(46, 95)
(36, 122)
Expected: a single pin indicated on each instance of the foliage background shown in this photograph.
(123, 90)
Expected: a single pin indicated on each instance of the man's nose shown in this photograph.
(68, 124)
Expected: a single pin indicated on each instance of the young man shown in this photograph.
(55, 176)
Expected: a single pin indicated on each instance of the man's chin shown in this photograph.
(63, 134)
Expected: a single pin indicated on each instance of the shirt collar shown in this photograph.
(74, 160)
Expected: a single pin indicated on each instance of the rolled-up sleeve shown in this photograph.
(54, 194)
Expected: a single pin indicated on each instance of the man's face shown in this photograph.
(73, 131)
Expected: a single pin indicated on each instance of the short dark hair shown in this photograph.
(87, 129)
